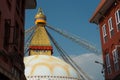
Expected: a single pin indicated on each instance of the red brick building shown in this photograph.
(107, 16)
(12, 14)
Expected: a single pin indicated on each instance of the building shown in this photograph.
(107, 16)
(12, 14)
(40, 64)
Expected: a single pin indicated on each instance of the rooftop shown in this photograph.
(101, 10)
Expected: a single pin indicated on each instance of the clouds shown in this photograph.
(87, 63)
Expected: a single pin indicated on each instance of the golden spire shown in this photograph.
(40, 11)
(40, 43)
(40, 17)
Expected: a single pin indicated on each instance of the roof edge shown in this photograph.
(99, 7)
(30, 4)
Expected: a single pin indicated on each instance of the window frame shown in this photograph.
(117, 18)
(108, 64)
(110, 24)
(104, 32)
(115, 59)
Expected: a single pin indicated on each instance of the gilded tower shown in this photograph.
(40, 43)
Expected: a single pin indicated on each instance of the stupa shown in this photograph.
(40, 64)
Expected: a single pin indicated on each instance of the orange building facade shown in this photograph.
(12, 14)
(107, 16)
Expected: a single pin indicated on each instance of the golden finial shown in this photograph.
(40, 11)
(40, 14)
(40, 17)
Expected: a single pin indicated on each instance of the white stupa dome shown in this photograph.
(44, 67)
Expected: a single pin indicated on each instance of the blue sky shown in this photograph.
(72, 16)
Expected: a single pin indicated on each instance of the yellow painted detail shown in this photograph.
(40, 52)
(40, 21)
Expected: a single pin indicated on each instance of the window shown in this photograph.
(16, 34)
(117, 14)
(6, 33)
(108, 64)
(104, 33)
(110, 24)
(115, 59)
